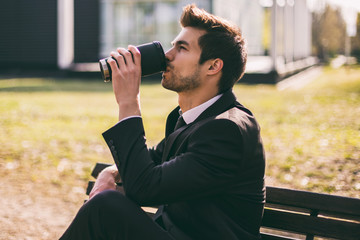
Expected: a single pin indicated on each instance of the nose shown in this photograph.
(169, 55)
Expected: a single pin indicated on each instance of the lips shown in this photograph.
(168, 68)
(166, 72)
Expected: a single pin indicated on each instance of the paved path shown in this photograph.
(299, 80)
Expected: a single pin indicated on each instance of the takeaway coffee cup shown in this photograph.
(152, 61)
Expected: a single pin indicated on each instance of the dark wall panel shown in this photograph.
(87, 22)
(28, 33)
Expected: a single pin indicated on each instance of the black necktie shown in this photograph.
(180, 122)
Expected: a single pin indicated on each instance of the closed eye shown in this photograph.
(180, 45)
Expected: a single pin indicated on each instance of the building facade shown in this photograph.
(124, 22)
(73, 34)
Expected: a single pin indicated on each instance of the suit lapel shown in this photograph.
(170, 134)
(171, 121)
(169, 144)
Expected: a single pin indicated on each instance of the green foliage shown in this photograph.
(266, 31)
(328, 33)
(51, 129)
(355, 41)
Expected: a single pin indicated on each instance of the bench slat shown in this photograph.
(268, 236)
(310, 225)
(89, 187)
(313, 201)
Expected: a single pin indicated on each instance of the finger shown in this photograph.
(119, 58)
(127, 56)
(136, 54)
(113, 64)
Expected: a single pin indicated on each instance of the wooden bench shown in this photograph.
(293, 214)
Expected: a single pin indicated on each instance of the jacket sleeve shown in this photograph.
(156, 152)
(211, 161)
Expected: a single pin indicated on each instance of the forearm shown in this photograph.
(126, 141)
(129, 108)
(126, 71)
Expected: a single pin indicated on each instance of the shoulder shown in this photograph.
(234, 121)
(240, 116)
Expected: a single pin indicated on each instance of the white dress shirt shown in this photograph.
(190, 115)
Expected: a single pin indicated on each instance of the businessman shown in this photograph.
(207, 174)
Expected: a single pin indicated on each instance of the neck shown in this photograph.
(190, 99)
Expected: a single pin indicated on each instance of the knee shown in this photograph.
(112, 205)
(99, 213)
(107, 198)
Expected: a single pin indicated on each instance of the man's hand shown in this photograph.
(106, 180)
(126, 78)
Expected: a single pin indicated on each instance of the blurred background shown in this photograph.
(302, 83)
(283, 36)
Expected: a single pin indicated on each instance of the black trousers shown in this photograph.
(110, 215)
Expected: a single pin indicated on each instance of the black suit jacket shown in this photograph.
(208, 175)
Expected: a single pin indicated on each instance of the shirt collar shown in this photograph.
(190, 115)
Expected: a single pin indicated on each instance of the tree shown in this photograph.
(355, 41)
(328, 30)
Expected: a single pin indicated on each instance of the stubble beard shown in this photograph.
(177, 83)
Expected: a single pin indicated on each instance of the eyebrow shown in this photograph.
(180, 42)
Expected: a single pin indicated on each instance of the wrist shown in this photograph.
(129, 108)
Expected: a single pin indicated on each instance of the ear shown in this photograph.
(215, 66)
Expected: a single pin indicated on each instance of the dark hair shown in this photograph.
(222, 40)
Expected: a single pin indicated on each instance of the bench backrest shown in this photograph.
(311, 214)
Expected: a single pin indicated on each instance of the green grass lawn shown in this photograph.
(51, 129)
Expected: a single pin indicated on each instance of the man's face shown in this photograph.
(183, 72)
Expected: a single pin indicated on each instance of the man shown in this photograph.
(207, 173)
